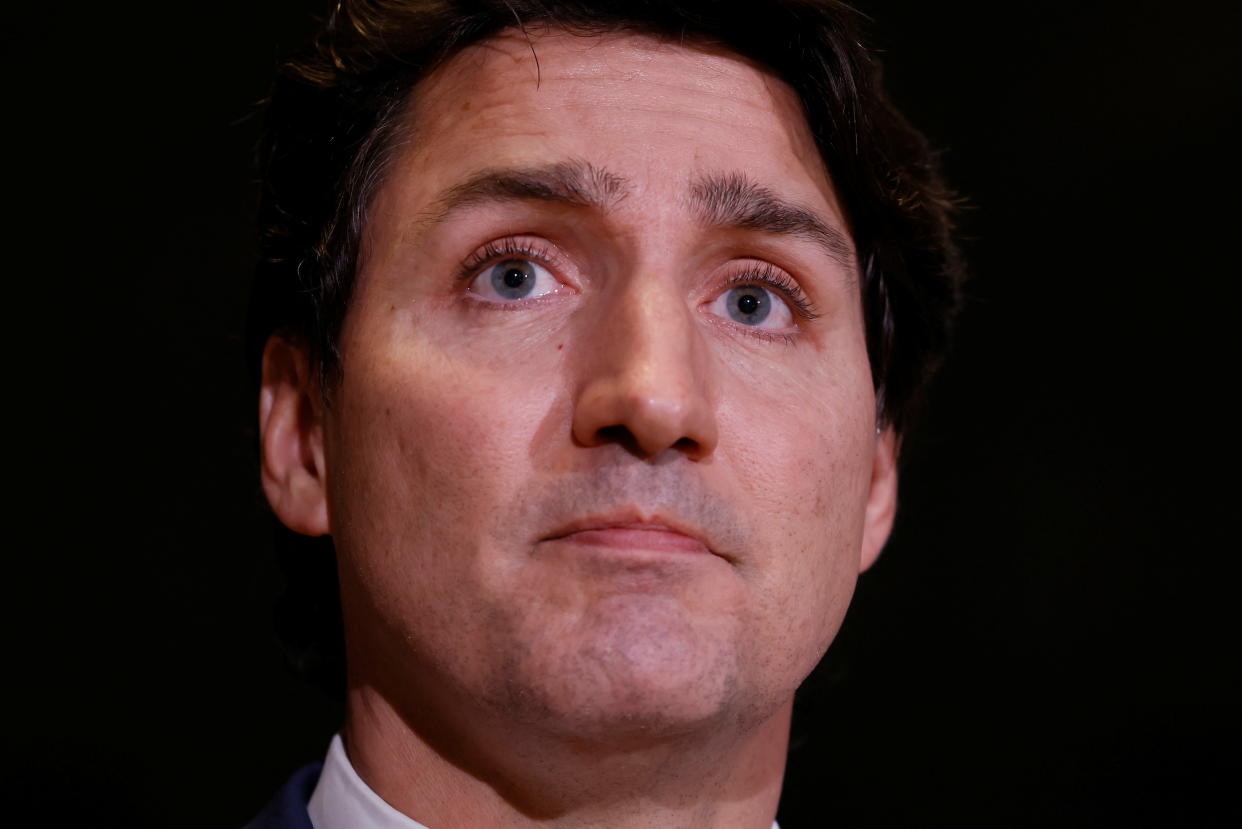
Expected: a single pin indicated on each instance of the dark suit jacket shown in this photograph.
(287, 810)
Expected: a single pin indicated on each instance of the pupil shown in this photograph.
(748, 303)
(514, 278)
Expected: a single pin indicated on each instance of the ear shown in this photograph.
(882, 500)
(291, 438)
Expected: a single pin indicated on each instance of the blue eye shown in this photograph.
(748, 305)
(754, 306)
(514, 279)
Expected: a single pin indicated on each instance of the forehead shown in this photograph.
(654, 113)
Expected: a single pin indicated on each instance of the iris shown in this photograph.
(749, 304)
(513, 278)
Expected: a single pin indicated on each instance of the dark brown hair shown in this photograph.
(335, 109)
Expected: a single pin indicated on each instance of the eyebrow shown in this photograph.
(733, 201)
(722, 200)
(569, 183)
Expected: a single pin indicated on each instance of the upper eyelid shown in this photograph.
(539, 250)
(771, 276)
(745, 271)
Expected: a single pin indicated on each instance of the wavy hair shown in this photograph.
(337, 108)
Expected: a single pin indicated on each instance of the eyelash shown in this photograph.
(771, 277)
(762, 273)
(501, 248)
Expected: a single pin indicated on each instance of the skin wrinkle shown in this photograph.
(523, 676)
(722, 200)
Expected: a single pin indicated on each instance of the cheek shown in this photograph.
(425, 448)
(805, 471)
(801, 446)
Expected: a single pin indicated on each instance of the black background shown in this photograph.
(1050, 638)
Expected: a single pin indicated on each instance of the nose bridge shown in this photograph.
(648, 381)
(653, 342)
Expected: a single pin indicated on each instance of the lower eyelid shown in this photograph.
(778, 296)
(767, 335)
(542, 273)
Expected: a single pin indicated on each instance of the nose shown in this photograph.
(645, 381)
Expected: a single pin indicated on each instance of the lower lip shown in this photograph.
(632, 539)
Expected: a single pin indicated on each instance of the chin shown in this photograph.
(636, 668)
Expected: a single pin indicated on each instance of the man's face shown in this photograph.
(603, 453)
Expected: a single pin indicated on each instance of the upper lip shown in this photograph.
(632, 519)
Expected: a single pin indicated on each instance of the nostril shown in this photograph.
(686, 445)
(614, 434)
(614, 410)
(621, 436)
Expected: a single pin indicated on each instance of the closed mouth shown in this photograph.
(631, 532)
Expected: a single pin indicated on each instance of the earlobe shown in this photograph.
(291, 439)
(882, 500)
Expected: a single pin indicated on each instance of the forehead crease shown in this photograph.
(732, 200)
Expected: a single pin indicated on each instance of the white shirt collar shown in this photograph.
(342, 800)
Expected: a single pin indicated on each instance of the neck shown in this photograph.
(444, 765)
